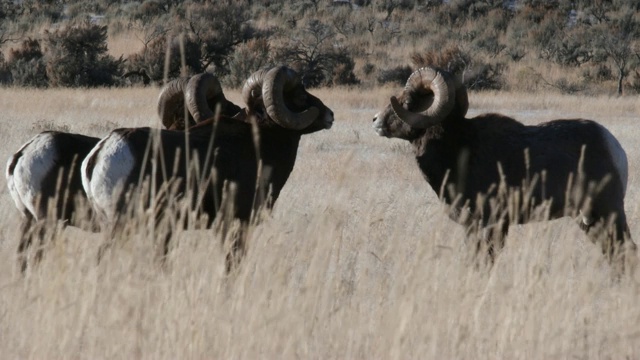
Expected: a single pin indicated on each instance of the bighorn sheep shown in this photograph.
(279, 110)
(44, 175)
(493, 170)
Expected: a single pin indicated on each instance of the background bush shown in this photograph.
(25, 65)
(153, 57)
(397, 75)
(318, 56)
(247, 58)
(586, 46)
(77, 56)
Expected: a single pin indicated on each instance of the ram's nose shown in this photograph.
(328, 119)
(378, 125)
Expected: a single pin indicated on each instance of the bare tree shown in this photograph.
(218, 38)
(343, 23)
(616, 41)
(315, 4)
(147, 32)
(316, 58)
(6, 36)
(619, 51)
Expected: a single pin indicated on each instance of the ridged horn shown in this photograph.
(202, 90)
(277, 82)
(171, 103)
(444, 93)
(252, 87)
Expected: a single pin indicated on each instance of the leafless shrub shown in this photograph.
(247, 58)
(475, 74)
(25, 65)
(153, 57)
(217, 29)
(451, 59)
(317, 57)
(397, 75)
(634, 82)
(49, 125)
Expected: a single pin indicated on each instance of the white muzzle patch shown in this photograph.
(378, 125)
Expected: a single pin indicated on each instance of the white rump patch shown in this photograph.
(618, 156)
(113, 162)
(39, 157)
(12, 188)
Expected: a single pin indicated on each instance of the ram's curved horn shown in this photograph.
(277, 82)
(427, 80)
(252, 88)
(171, 103)
(202, 90)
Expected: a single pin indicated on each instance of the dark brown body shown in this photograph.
(494, 171)
(233, 155)
(468, 152)
(258, 173)
(254, 152)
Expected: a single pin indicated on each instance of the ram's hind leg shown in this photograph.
(235, 245)
(26, 237)
(31, 230)
(496, 235)
(612, 234)
(111, 231)
(489, 240)
(165, 230)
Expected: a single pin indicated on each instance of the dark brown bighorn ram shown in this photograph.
(279, 110)
(43, 176)
(493, 170)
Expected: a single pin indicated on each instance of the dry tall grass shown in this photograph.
(356, 261)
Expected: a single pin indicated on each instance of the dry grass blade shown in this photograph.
(357, 260)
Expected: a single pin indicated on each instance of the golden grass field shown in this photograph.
(357, 260)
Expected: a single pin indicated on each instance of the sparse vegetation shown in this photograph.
(25, 65)
(358, 42)
(49, 125)
(358, 259)
(77, 57)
